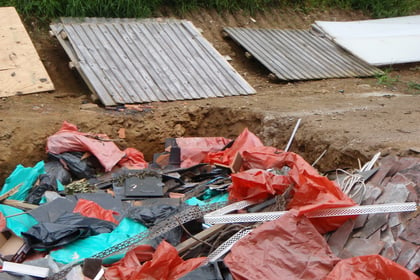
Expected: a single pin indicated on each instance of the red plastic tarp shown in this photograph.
(287, 248)
(69, 139)
(165, 264)
(311, 191)
(246, 140)
(194, 150)
(91, 209)
(368, 268)
(134, 159)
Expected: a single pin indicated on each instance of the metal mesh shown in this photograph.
(365, 209)
(232, 207)
(345, 211)
(227, 245)
(243, 218)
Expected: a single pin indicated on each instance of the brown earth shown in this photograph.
(350, 118)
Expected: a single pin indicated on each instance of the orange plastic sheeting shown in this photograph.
(194, 150)
(368, 268)
(91, 209)
(125, 268)
(287, 248)
(134, 159)
(69, 139)
(311, 191)
(257, 184)
(246, 140)
(166, 264)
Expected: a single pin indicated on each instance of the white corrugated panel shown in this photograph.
(378, 42)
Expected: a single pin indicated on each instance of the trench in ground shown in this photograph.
(147, 132)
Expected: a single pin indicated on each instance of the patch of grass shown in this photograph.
(50, 9)
(387, 78)
(413, 86)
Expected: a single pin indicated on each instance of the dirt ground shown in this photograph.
(351, 118)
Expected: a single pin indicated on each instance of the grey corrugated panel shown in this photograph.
(299, 54)
(143, 60)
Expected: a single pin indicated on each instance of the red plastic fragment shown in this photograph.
(311, 191)
(194, 150)
(246, 140)
(127, 266)
(166, 264)
(134, 159)
(369, 267)
(91, 209)
(287, 248)
(69, 139)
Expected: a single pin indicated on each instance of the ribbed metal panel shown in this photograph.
(299, 54)
(137, 61)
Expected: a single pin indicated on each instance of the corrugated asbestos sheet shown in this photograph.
(299, 54)
(137, 61)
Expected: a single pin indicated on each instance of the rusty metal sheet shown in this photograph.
(144, 60)
(299, 54)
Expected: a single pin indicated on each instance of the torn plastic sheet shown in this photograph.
(245, 141)
(311, 191)
(166, 264)
(87, 247)
(76, 164)
(151, 215)
(57, 171)
(289, 246)
(64, 230)
(370, 267)
(19, 223)
(26, 176)
(133, 159)
(69, 139)
(194, 150)
(91, 209)
(127, 266)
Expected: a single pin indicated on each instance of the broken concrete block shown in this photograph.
(339, 238)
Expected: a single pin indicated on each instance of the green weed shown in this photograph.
(50, 9)
(386, 78)
(413, 86)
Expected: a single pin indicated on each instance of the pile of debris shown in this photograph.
(205, 208)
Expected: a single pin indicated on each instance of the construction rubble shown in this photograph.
(206, 208)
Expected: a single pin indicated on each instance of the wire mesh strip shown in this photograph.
(227, 245)
(232, 207)
(344, 211)
(187, 215)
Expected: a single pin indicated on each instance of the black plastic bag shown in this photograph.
(66, 229)
(57, 172)
(78, 167)
(45, 183)
(150, 216)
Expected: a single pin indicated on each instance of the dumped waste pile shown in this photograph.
(206, 208)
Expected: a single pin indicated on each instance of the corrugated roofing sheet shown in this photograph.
(137, 61)
(299, 54)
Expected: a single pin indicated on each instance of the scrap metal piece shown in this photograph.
(227, 245)
(299, 54)
(144, 60)
(334, 212)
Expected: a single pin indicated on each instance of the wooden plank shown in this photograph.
(190, 242)
(19, 204)
(28, 74)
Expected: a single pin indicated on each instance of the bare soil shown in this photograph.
(351, 118)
